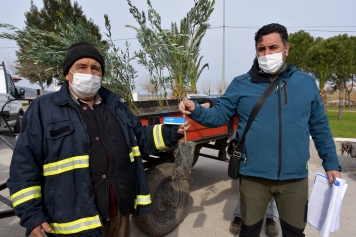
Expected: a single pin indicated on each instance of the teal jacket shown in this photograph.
(277, 145)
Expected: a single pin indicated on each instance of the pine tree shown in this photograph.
(49, 18)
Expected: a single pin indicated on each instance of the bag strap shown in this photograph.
(255, 111)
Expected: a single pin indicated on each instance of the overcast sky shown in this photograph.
(324, 18)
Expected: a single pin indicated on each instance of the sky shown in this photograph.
(321, 18)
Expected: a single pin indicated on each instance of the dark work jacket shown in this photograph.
(49, 173)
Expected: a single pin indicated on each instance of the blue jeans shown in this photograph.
(272, 211)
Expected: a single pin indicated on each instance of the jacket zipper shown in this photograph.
(284, 85)
(279, 135)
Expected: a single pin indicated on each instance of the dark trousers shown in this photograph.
(291, 198)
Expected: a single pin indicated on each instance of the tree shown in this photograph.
(51, 56)
(35, 73)
(145, 83)
(220, 86)
(337, 56)
(299, 42)
(193, 27)
(54, 13)
(176, 50)
(119, 73)
(156, 51)
(348, 91)
(50, 19)
(318, 68)
(304, 55)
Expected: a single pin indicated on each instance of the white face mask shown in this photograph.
(271, 63)
(85, 85)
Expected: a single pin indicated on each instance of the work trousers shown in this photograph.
(291, 197)
(272, 211)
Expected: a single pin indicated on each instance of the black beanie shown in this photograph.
(81, 50)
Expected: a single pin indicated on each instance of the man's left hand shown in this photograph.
(184, 127)
(332, 174)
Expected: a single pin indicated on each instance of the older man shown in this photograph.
(76, 167)
(276, 150)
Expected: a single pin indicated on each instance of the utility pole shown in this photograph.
(223, 51)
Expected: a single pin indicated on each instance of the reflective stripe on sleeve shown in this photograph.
(76, 226)
(25, 195)
(142, 200)
(76, 162)
(158, 138)
(135, 152)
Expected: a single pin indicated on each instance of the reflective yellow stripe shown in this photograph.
(76, 226)
(135, 152)
(157, 135)
(132, 159)
(142, 200)
(25, 195)
(76, 162)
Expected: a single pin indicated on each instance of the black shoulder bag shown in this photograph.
(234, 148)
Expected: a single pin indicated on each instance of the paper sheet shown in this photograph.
(325, 204)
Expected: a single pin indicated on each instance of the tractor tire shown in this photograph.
(169, 200)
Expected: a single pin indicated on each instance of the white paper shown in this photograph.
(325, 204)
(336, 223)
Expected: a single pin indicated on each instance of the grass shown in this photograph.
(342, 128)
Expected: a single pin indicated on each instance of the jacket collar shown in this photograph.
(109, 97)
(257, 75)
(63, 96)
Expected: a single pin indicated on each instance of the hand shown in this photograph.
(36, 232)
(206, 105)
(332, 174)
(186, 106)
(184, 127)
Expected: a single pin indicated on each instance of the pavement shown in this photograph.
(213, 198)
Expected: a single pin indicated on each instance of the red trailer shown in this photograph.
(169, 198)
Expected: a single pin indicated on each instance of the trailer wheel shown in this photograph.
(169, 200)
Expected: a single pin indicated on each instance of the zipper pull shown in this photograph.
(284, 83)
(245, 160)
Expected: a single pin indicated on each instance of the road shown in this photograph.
(213, 199)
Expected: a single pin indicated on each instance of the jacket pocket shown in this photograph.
(59, 141)
(56, 131)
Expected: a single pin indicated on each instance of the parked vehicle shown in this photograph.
(10, 111)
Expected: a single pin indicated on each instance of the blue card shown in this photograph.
(173, 120)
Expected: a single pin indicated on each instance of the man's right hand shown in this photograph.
(186, 106)
(36, 232)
